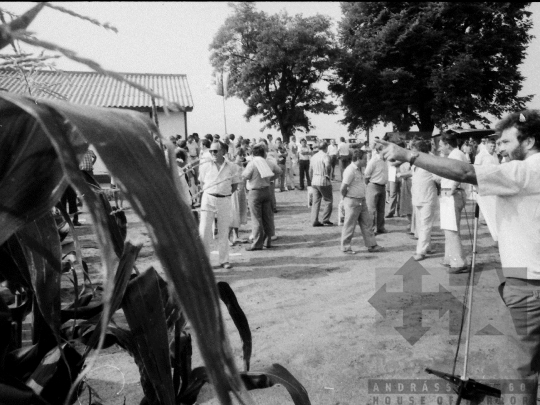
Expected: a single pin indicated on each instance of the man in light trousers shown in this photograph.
(353, 191)
(219, 179)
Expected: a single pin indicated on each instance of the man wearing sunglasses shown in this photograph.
(218, 181)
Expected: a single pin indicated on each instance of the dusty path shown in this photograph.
(309, 309)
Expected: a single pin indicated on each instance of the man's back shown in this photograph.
(319, 165)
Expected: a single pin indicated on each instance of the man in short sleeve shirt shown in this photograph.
(516, 187)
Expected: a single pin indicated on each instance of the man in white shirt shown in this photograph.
(516, 187)
(319, 169)
(454, 257)
(376, 177)
(333, 154)
(487, 155)
(343, 155)
(353, 191)
(219, 179)
(271, 146)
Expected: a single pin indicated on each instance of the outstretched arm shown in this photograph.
(448, 168)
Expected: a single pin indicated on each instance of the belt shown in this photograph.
(262, 188)
(356, 198)
(219, 195)
(377, 184)
(520, 282)
(444, 189)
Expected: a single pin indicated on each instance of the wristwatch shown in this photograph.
(413, 157)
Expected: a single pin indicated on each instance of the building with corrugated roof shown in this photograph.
(96, 89)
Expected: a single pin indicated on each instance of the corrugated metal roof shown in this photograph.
(91, 88)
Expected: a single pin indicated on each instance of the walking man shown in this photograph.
(353, 190)
(320, 170)
(333, 153)
(218, 180)
(376, 177)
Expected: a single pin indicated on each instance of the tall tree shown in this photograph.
(274, 62)
(430, 63)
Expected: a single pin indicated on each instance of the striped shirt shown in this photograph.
(319, 164)
(87, 161)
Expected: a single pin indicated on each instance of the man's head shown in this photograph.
(231, 137)
(278, 142)
(519, 134)
(217, 152)
(342, 139)
(196, 136)
(421, 145)
(216, 137)
(485, 139)
(205, 143)
(172, 139)
(181, 157)
(303, 142)
(190, 138)
(448, 143)
(259, 149)
(490, 145)
(269, 137)
(210, 137)
(181, 144)
(359, 157)
(292, 139)
(323, 146)
(333, 142)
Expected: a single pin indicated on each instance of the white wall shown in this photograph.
(172, 124)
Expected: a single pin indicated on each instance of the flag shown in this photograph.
(221, 80)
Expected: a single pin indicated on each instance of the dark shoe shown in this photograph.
(250, 248)
(328, 223)
(225, 266)
(77, 223)
(444, 264)
(389, 216)
(375, 248)
(275, 211)
(317, 224)
(349, 252)
(459, 270)
(301, 188)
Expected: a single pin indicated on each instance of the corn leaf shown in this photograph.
(124, 141)
(30, 173)
(143, 308)
(121, 279)
(20, 23)
(277, 374)
(239, 318)
(14, 268)
(41, 245)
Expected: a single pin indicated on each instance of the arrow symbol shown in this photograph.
(413, 301)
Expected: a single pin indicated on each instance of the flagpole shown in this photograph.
(224, 115)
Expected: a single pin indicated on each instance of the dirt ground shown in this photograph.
(310, 309)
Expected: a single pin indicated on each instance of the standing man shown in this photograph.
(487, 155)
(516, 187)
(271, 146)
(343, 152)
(376, 177)
(393, 189)
(320, 169)
(304, 155)
(258, 173)
(333, 153)
(218, 180)
(87, 162)
(454, 257)
(281, 152)
(353, 190)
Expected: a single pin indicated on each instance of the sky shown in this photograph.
(174, 37)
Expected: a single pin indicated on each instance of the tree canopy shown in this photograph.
(274, 62)
(430, 63)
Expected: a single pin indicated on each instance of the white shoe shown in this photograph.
(273, 237)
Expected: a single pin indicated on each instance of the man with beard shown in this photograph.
(516, 187)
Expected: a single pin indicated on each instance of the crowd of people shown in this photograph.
(228, 177)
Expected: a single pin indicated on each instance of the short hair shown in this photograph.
(450, 139)
(195, 135)
(231, 137)
(224, 147)
(182, 144)
(190, 137)
(245, 141)
(210, 137)
(490, 140)
(303, 140)
(218, 143)
(527, 122)
(421, 145)
(342, 139)
(216, 136)
(264, 141)
(323, 145)
(357, 154)
(259, 149)
(181, 154)
(206, 143)
(268, 136)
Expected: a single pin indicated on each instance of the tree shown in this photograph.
(274, 62)
(430, 63)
